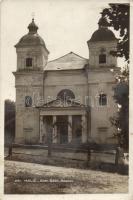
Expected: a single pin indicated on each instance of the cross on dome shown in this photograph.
(33, 15)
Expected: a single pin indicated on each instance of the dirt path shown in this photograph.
(30, 178)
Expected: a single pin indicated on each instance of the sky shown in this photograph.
(65, 26)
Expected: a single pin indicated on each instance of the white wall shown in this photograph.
(27, 119)
(38, 54)
(76, 81)
(101, 81)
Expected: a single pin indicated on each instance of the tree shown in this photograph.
(121, 119)
(117, 16)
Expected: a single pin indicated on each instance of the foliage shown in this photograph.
(121, 119)
(117, 16)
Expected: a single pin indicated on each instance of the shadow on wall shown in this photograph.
(9, 122)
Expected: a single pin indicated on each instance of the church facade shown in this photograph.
(68, 100)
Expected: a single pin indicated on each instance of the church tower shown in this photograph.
(32, 57)
(102, 69)
(102, 42)
(32, 53)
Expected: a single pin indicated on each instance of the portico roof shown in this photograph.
(69, 61)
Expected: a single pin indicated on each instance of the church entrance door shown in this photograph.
(62, 128)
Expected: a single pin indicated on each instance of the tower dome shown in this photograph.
(102, 33)
(32, 38)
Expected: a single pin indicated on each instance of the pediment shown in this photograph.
(63, 103)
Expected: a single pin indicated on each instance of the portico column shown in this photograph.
(69, 128)
(44, 137)
(54, 136)
(84, 129)
(41, 128)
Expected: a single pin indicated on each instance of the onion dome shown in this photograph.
(32, 38)
(32, 27)
(102, 33)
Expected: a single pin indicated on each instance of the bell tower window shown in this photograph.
(28, 62)
(102, 58)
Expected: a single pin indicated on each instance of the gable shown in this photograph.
(69, 61)
(62, 103)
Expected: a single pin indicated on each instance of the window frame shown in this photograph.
(28, 101)
(29, 62)
(102, 58)
(102, 99)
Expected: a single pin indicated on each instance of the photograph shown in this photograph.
(65, 87)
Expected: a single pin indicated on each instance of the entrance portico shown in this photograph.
(64, 125)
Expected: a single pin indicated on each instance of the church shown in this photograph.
(68, 100)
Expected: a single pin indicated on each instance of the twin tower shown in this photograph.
(32, 53)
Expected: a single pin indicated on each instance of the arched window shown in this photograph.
(102, 99)
(102, 58)
(28, 62)
(66, 94)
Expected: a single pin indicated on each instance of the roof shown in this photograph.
(102, 34)
(30, 40)
(69, 61)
